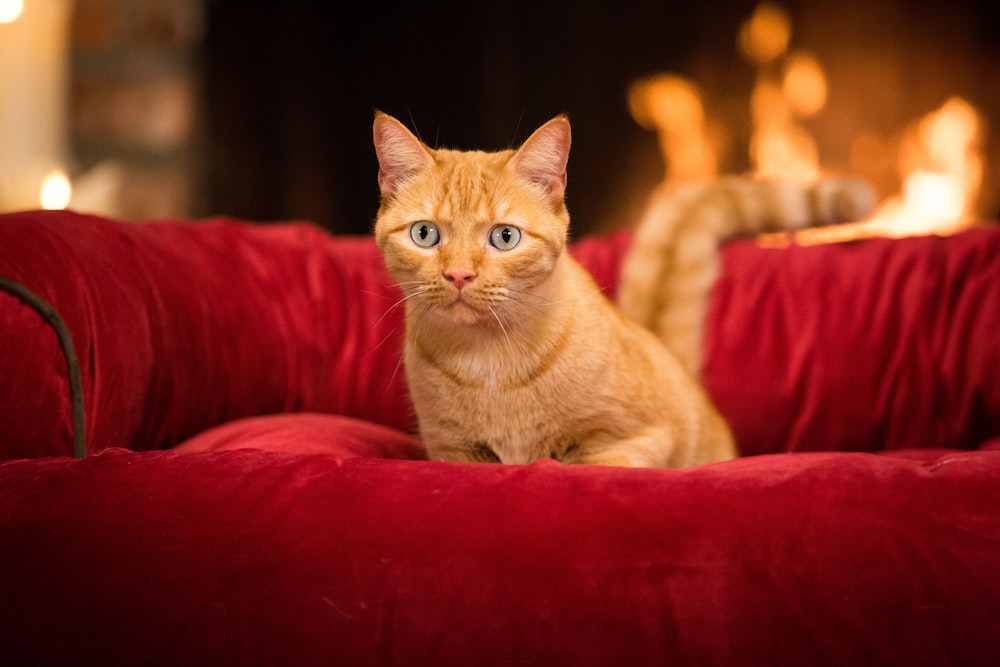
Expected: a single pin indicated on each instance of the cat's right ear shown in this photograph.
(542, 158)
(400, 154)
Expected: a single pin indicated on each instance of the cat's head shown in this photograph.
(469, 234)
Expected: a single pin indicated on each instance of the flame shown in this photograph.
(939, 157)
(804, 84)
(11, 10)
(941, 169)
(56, 191)
(764, 37)
(672, 106)
(937, 162)
(780, 148)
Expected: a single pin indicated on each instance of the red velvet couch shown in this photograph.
(250, 493)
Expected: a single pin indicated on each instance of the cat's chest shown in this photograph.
(488, 372)
(528, 400)
(522, 422)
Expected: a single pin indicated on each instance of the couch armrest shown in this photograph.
(180, 326)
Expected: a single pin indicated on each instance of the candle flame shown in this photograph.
(56, 191)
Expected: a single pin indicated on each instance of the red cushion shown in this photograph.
(254, 557)
(308, 433)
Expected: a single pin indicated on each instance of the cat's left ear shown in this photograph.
(542, 158)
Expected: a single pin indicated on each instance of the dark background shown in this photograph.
(291, 86)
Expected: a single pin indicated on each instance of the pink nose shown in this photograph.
(459, 276)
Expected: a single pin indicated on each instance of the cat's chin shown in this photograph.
(461, 313)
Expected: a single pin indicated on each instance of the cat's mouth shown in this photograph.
(461, 303)
(462, 299)
(465, 310)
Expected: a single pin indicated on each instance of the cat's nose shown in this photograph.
(459, 277)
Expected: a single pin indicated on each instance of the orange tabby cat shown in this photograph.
(512, 353)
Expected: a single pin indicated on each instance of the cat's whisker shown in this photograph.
(525, 292)
(510, 345)
(540, 308)
(379, 345)
(405, 298)
(508, 317)
(418, 320)
(393, 286)
(416, 326)
(395, 371)
(540, 300)
(403, 286)
(393, 330)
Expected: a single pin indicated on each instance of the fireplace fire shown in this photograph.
(929, 174)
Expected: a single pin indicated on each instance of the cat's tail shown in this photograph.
(673, 261)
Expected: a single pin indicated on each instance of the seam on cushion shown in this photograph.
(49, 314)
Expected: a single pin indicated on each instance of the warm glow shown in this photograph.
(780, 148)
(871, 154)
(937, 162)
(765, 36)
(668, 102)
(768, 106)
(951, 138)
(56, 191)
(672, 106)
(942, 170)
(786, 153)
(33, 91)
(939, 159)
(937, 198)
(804, 84)
(10, 10)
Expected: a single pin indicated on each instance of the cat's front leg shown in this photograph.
(622, 460)
(650, 449)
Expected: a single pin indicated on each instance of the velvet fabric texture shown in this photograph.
(252, 557)
(253, 492)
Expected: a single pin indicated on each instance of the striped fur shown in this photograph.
(672, 264)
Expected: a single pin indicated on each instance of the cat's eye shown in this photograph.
(425, 234)
(504, 237)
